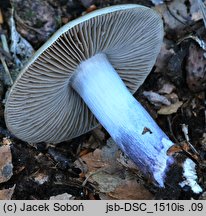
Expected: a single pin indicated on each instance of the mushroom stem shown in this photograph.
(128, 123)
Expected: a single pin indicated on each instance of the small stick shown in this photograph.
(185, 131)
(6, 69)
(6, 49)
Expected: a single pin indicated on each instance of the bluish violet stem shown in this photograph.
(128, 123)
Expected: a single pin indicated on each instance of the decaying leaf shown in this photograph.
(156, 98)
(6, 167)
(167, 88)
(202, 8)
(101, 158)
(195, 67)
(127, 163)
(107, 182)
(112, 179)
(36, 20)
(6, 194)
(131, 190)
(165, 54)
(95, 139)
(167, 110)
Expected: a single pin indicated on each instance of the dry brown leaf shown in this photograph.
(102, 158)
(6, 194)
(6, 167)
(111, 177)
(94, 160)
(167, 110)
(103, 167)
(126, 162)
(107, 182)
(131, 190)
(177, 148)
(95, 140)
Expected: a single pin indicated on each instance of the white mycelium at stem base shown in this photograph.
(122, 116)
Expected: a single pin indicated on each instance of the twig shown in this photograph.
(6, 69)
(1, 17)
(4, 43)
(6, 55)
(5, 65)
(185, 131)
(6, 49)
(171, 131)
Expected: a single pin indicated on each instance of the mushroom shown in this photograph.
(84, 75)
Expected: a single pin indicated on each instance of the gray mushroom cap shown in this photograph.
(43, 107)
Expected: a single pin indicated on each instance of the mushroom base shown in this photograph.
(128, 123)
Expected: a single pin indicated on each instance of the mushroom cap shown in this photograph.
(43, 107)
